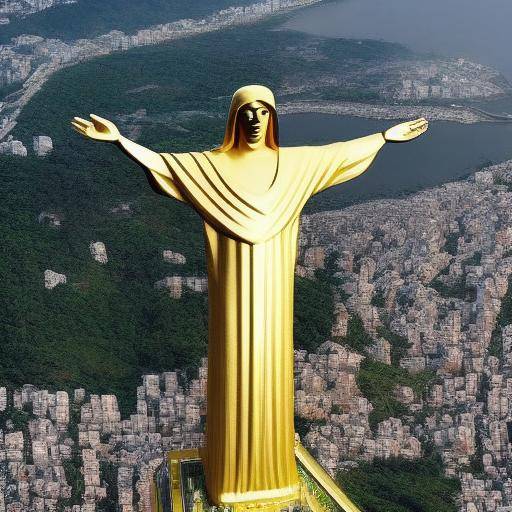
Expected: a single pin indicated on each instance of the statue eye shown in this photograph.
(264, 112)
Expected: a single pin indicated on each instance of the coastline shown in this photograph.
(456, 114)
(61, 55)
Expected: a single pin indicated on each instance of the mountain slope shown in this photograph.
(91, 18)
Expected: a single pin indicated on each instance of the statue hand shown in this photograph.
(99, 129)
(405, 132)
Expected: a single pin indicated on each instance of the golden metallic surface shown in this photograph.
(156, 499)
(174, 460)
(249, 193)
(324, 480)
(323, 483)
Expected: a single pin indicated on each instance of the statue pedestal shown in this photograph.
(179, 486)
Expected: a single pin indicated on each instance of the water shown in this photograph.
(449, 151)
(475, 29)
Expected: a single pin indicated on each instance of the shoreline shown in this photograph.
(458, 114)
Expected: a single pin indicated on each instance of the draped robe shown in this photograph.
(251, 246)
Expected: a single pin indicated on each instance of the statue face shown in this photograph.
(253, 122)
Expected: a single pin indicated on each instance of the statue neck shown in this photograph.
(252, 170)
(256, 150)
(250, 148)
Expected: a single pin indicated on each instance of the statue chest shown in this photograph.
(252, 175)
(241, 212)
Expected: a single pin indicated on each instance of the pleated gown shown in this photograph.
(251, 245)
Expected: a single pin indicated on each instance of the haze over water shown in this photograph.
(479, 30)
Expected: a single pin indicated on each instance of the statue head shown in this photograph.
(252, 122)
(252, 115)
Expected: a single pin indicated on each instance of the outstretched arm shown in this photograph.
(153, 163)
(343, 161)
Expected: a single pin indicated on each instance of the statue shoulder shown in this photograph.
(295, 154)
(174, 155)
(214, 156)
(179, 163)
(298, 150)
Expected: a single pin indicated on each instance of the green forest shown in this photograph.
(398, 485)
(91, 18)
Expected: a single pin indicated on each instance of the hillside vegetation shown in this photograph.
(401, 486)
(108, 324)
(91, 18)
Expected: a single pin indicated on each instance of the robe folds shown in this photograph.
(251, 244)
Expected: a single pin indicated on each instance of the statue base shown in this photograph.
(179, 486)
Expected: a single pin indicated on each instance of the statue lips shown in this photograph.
(255, 134)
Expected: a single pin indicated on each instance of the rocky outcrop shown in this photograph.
(174, 257)
(43, 145)
(99, 252)
(12, 147)
(175, 285)
(53, 279)
(53, 220)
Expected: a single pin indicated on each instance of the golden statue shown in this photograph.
(250, 193)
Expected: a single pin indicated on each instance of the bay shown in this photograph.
(474, 29)
(447, 152)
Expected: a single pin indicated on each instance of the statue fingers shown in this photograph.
(419, 126)
(423, 127)
(101, 122)
(79, 129)
(417, 131)
(418, 123)
(82, 122)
